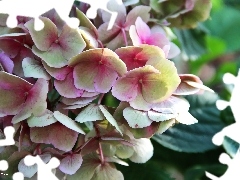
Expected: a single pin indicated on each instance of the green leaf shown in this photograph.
(110, 118)
(198, 172)
(192, 42)
(150, 170)
(230, 146)
(229, 33)
(190, 138)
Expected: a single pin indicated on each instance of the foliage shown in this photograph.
(94, 97)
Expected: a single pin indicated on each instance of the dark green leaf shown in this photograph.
(230, 146)
(192, 42)
(198, 172)
(150, 170)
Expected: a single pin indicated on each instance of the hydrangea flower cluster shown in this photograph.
(53, 82)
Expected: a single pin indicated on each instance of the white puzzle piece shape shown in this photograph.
(231, 131)
(103, 5)
(4, 167)
(35, 8)
(232, 172)
(44, 170)
(8, 141)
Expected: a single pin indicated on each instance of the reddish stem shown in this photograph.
(124, 36)
(101, 152)
(99, 143)
(100, 98)
(100, 43)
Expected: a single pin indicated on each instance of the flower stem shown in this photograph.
(124, 36)
(101, 152)
(99, 143)
(100, 98)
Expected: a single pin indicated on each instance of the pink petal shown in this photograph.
(71, 42)
(58, 73)
(158, 29)
(66, 87)
(130, 56)
(143, 30)
(138, 11)
(186, 89)
(140, 103)
(189, 4)
(125, 89)
(157, 39)
(43, 39)
(107, 35)
(172, 105)
(10, 47)
(56, 134)
(6, 63)
(12, 93)
(134, 36)
(71, 163)
(22, 53)
(166, 50)
(104, 79)
(93, 65)
(117, 41)
(84, 75)
(35, 103)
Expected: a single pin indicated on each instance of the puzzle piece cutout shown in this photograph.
(4, 167)
(9, 133)
(232, 172)
(35, 8)
(44, 170)
(8, 141)
(231, 131)
(103, 4)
